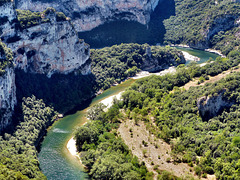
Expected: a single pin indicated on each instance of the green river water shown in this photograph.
(55, 160)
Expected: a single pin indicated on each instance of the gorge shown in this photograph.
(42, 57)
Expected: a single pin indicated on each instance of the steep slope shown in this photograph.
(7, 86)
(87, 15)
(47, 43)
(204, 24)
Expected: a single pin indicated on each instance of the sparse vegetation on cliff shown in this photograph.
(28, 18)
(6, 57)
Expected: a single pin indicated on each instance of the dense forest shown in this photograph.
(103, 152)
(18, 154)
(195, 140)
(211, 144)
(114, 64)
(204, 24)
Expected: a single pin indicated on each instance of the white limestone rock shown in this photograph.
(49, 48)
(87, 15)
(7, 97)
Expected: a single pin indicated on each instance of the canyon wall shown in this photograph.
(52, 46)
(87, 15)
(7, 86)
(7, 97)
(43, 43)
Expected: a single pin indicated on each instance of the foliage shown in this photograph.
(28, 18)
(103, 153)
(18, 155)
(176, 114)
(6, 57)
(194, 20)
(116, 63)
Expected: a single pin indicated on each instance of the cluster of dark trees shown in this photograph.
(194, 18)
(18, 154)
(210, 145)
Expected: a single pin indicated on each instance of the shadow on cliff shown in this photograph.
(122, 31)
(64, 92)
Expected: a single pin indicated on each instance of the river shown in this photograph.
(55, 160)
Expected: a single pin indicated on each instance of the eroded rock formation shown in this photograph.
(51, 46)
(210, 107)
(87, 15)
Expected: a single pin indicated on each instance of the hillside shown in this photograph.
(204, 24)
(158, 130)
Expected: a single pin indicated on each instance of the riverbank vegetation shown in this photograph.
(192, 138)
(103, 152)
(204, 23)
(114, 64)
(18, 154)
(210, 145)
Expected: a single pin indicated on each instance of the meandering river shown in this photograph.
(55, 160)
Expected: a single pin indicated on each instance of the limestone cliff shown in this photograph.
(7, 18)
(221, 23)
(48, 44)
(87, 15)
(210, 107)
(7, 86)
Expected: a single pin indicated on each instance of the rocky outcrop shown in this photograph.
(221, 23)
(51, 46)
(87, 15)
(157, 63)
(7, 17)
(210, 107)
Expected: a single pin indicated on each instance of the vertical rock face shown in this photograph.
(7, 97)
(7, 17)
(210, 107)
(48, 46)
(87, 15)
(7, 86)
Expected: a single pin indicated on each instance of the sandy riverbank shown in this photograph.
(71, 146)
(215, 51)
(109, 101)
(143, 74)
(190, 57)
